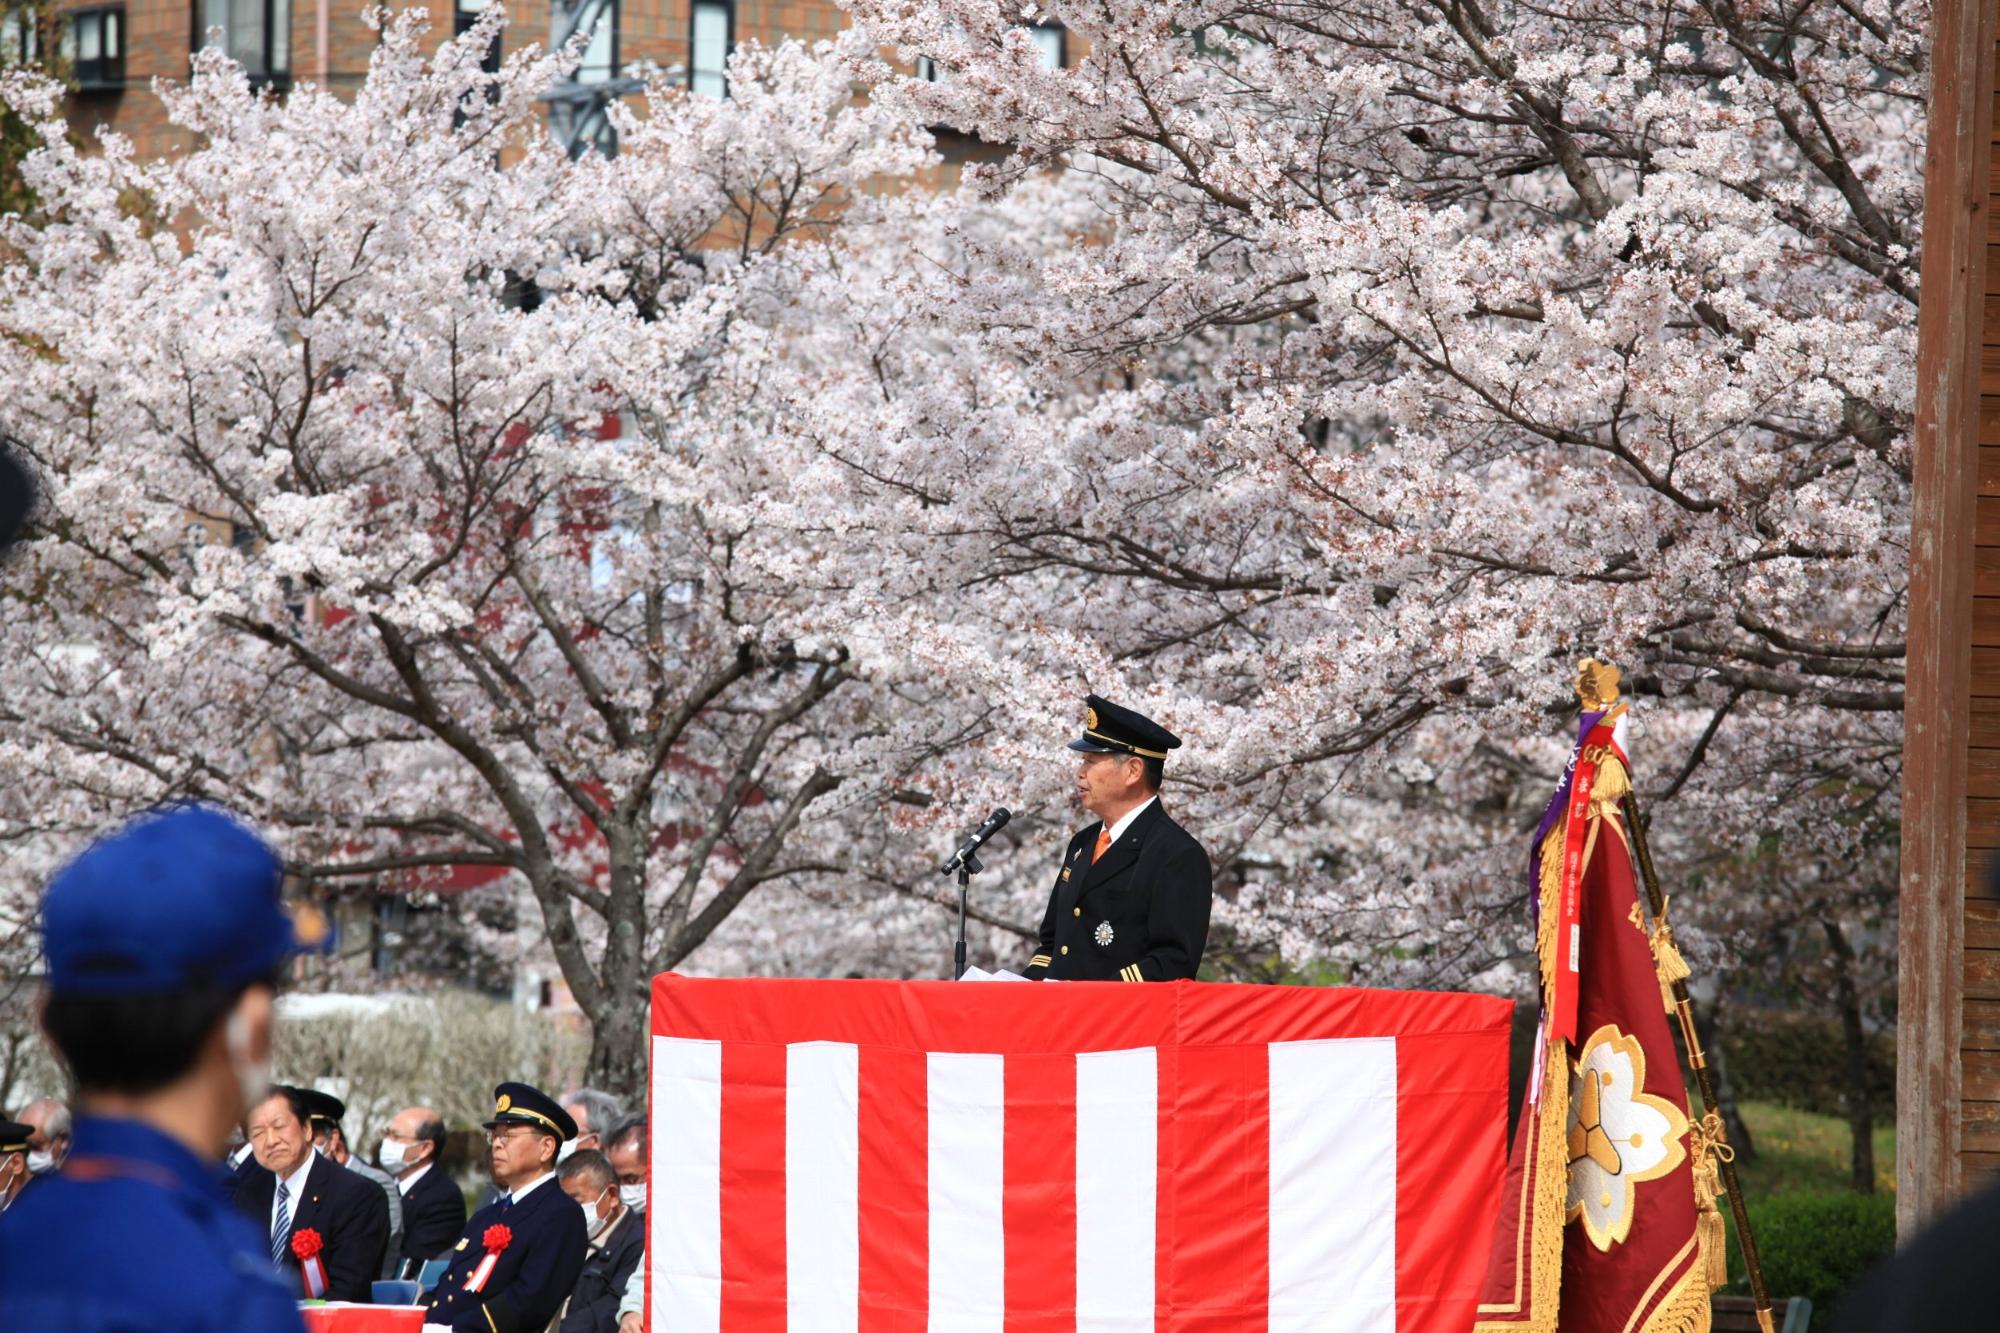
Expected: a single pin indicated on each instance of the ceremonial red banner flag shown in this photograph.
(1598, 1230)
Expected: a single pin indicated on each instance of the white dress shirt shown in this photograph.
(403, 1183)
(1125, 822)
(295, 1188)
(516, 1195)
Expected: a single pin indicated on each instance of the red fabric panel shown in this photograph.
(1217, 1182)
(753, 1184)
(1451, 1127)
(1040, 1207)
(895, 1191)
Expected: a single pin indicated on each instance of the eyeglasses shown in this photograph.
(496, 1137)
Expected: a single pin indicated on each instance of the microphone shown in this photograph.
(963, 856)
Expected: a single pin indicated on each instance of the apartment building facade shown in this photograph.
(114, 51)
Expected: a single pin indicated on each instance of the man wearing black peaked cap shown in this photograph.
(1132, 898)
(520, 1255)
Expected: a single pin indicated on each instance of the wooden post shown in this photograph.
(1937, 699)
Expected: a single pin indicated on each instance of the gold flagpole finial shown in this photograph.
(1596, 685)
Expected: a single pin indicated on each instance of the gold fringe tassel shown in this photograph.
(1684, 1309)
(1708, 1145)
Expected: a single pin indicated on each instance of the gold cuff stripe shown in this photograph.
(489, 1319)
(1126, 745)
(1040, 960)
(1130, 973)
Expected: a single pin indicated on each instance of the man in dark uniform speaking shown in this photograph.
(519, 1258)
(1131, 900)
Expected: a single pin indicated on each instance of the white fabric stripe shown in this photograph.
(1117, 1169)
(822, 1187)
(1333, 1186)
(684, 1221)
(968, 1149)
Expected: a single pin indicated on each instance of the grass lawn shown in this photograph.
(1815, 1234)
(1802, 1153)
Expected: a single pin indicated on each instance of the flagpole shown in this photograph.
(1684, 1010)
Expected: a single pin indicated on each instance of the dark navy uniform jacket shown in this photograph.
(536, 1272)
(136, 1232)
(593, 1308)
(1139, 914)
(348, 1211)
(433, 1216)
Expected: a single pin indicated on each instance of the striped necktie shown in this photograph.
(281, 1230)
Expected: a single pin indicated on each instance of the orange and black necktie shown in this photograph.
(1103, 842)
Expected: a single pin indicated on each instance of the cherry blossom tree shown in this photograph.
(1391, 357)
(698, 536)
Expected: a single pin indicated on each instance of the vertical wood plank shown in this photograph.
(1958, 161)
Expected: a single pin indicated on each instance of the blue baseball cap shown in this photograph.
(185, 895)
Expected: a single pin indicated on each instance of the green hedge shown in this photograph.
(1816, 1245)
(1798, 1060)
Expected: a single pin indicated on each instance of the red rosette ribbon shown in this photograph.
(306, 1246)
(495, 1239)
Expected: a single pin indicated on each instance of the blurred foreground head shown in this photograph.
(163, 943)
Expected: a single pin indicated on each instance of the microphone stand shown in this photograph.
(967, 864)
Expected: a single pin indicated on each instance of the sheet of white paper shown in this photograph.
(981, 974)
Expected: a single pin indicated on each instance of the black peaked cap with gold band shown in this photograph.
(519, 1104)
(14, 1136)
(1109, 729)
(323, 1107)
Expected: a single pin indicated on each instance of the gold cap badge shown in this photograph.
(1090, 719)
(502, 1105)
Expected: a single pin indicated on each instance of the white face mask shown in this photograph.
(390, 1156)
(562, 1153)
(633, 1197)
(253, 1077)
(597, 1223)
(41, 1163)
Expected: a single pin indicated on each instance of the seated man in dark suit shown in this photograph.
(617, 1243)
(293, 1191)
(520, 1255)
(433, 1209)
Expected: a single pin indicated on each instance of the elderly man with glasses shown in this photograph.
(520, 1255)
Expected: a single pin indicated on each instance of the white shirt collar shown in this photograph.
(1118, 829)
(516, 1195)
(295, 1189)
(403, 1183)
(296, 1182)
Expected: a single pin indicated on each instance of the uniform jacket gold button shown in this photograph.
(1065, 948)
(1076, 911)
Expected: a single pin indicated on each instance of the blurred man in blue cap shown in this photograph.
(163, 944)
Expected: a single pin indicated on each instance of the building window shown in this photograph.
(94, 42)
(464, 14)
(1048, 39)
(20, 37)
(600, 19)
(257, 34)
(711, 32)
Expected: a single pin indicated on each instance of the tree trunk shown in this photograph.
(1854, 1038)
(618, 1042)
(1705, 1026)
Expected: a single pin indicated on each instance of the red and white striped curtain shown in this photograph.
(862, 1155)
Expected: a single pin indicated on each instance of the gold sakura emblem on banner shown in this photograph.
(1620, 1136)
